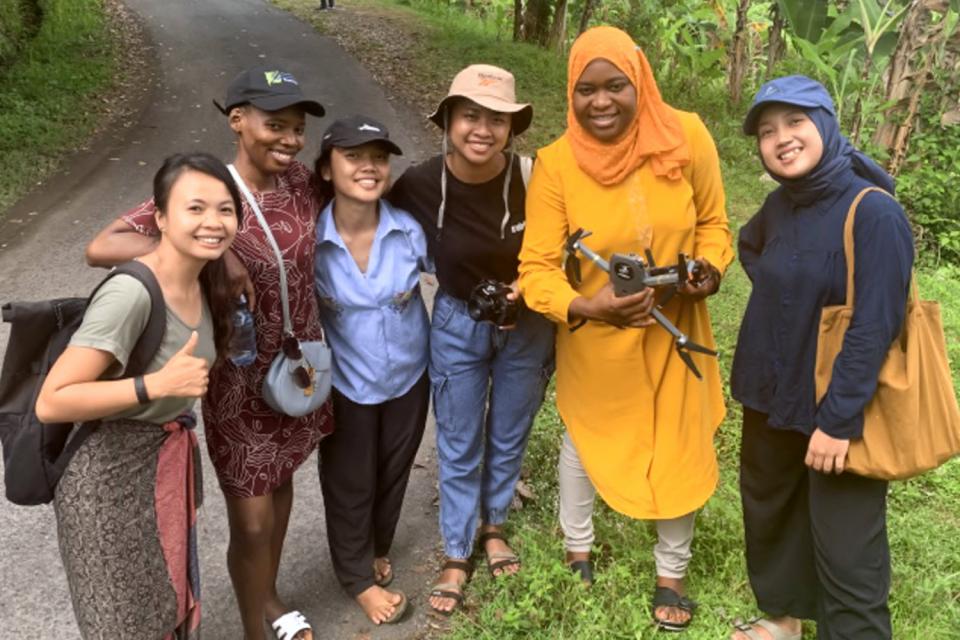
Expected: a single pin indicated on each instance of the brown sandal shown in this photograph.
(446, 589)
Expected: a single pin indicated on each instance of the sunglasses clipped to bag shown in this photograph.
(298, 381)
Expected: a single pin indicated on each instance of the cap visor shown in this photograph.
(276, 103)
(750, 122)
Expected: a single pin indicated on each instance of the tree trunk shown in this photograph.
(536, 21)
(739, 58)
(588, 6)
(776, 47)
(558, 31)
(857, 121)
(909, 71)
(517, 20)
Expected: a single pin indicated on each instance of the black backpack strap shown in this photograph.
(152, 336)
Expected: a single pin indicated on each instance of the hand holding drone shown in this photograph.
(629, 274)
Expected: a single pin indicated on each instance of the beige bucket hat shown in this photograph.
(490, 87)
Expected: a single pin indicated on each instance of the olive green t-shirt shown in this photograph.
(114, 321)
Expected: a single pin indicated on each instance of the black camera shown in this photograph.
(488, 301)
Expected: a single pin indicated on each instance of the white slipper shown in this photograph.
(287, 626)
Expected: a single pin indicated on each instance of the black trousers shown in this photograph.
(816, 543)
(364, 468)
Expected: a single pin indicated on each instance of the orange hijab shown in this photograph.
(654, 134)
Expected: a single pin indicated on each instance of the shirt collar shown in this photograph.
(389, 222)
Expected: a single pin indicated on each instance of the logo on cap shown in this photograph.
(278, 77)
(770, 91)
(487, 79)
(368, 127)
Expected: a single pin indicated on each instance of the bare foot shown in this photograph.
(379, 604)
(672, 614)
(788, 624)
(448, 580)
(382, 571)
(497, 551)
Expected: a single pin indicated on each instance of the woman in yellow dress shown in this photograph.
(638, 175)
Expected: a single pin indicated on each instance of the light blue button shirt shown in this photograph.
(376, 322)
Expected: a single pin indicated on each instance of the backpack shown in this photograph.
(35, 454)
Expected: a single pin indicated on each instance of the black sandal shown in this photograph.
(500, 559)
(584, 568)
(667, 597)
(446, 589)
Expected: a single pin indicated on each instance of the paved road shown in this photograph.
(198, 46)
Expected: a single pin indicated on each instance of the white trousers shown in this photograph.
(672, 551)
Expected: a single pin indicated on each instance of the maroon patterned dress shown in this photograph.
(253, 448)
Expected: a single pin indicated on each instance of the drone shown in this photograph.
(629, 274)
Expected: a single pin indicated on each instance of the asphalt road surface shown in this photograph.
(197, 46)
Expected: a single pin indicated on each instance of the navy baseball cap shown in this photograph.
(800, 91)
(354, 131)
(270, 88)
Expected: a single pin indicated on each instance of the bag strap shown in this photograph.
(848, 251)
(284, 297)
(149, 341)
(140, 356)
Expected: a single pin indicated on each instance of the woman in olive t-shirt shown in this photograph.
(126, 505)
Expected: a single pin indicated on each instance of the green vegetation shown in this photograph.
(545, 600)
(47, 91)
(17, 24)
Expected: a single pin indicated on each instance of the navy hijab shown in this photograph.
(839, 156)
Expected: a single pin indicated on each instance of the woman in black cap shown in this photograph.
(369, 258)
(254, 449)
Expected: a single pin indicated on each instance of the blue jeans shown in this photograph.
(488, 385)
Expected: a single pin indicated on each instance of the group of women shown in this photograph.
(636, 173)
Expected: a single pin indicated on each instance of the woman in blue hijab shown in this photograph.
(816, 540)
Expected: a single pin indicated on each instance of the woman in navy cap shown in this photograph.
(254, 449)
(816, 539)
(369, 258)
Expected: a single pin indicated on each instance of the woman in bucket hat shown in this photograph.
(369, 258)
(816, 540)
(254, 449)
(640, 175)
(488, 381)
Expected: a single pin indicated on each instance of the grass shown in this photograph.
(47, 93)
(545, 600)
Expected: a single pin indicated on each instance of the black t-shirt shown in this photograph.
(470, 248)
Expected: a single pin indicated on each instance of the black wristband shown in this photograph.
(142, 396)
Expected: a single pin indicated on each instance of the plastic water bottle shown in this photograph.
(243, 342)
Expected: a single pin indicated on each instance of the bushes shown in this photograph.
(18, 23)
(45, 91)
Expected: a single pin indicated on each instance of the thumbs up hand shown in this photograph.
(183, 376)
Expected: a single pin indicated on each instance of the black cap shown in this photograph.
(269, 88)
(354, 131)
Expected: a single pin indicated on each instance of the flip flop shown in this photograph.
(401, 608)
(776, 632)
(386, 578)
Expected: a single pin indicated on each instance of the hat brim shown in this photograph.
(387, 144)
(521, 113)
(276, 103)
(750, 122)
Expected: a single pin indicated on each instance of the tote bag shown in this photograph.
(912, 424)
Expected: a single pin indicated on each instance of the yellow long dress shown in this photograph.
(642, 423)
